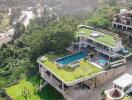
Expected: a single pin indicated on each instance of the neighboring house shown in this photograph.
(123, 20)
(29, 15)
(123, 23)
(81, 67)
(4, 38)
(10, 32)
(122, 89)
(25, 18)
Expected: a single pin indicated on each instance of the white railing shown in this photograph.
(122, 24)
(117, 63)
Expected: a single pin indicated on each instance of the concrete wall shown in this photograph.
(118, 47)
(104, 77)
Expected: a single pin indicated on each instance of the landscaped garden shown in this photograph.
(66, 74)
(26, 89)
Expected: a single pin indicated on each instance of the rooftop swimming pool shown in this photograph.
(71, 58)
(102, 61)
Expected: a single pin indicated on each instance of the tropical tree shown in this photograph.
(26, 93)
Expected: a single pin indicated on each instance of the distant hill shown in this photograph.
(80, 6)
(18, 3)
(73, 6)
(63, 7)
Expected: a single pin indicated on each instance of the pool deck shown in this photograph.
(84, 71)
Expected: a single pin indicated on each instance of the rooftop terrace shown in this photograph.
(106, 38)
(66, 74)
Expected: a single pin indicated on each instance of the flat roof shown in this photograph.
(105, 38)
(69, 76)
(124, 81)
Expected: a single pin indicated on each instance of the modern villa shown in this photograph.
(67, 72)
(103, 47)
(82, 66)
(122, 89)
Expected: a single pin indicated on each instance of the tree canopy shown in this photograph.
(19, 57)
(102, 17)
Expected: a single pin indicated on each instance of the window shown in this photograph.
(118, 87)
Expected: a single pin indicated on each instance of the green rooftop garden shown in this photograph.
(29, 86)
(105, 38)
(67, 74)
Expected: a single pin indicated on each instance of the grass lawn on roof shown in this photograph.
(32, 83)
(68, 75)
(106, 39)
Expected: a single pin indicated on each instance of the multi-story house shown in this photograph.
(123, 23)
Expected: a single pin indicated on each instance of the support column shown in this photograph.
(39, 68)
(128, 38)
(109, 52)
(113, 25)
(79, 47)
(130, 22)
(126, 28)
(122, 27)
(109, 57)
(62, 86)
(50, 74)
(97, 53)
(116, 25)
(95, 85)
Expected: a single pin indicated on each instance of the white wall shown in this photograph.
(118, 47)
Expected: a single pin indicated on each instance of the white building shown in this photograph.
(123, 83)
(122, 87)
(29, 15)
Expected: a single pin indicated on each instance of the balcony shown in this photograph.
(100, 47)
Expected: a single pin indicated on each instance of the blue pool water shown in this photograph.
(102, 61)
(71, 58)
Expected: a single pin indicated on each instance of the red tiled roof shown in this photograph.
(115, 93)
